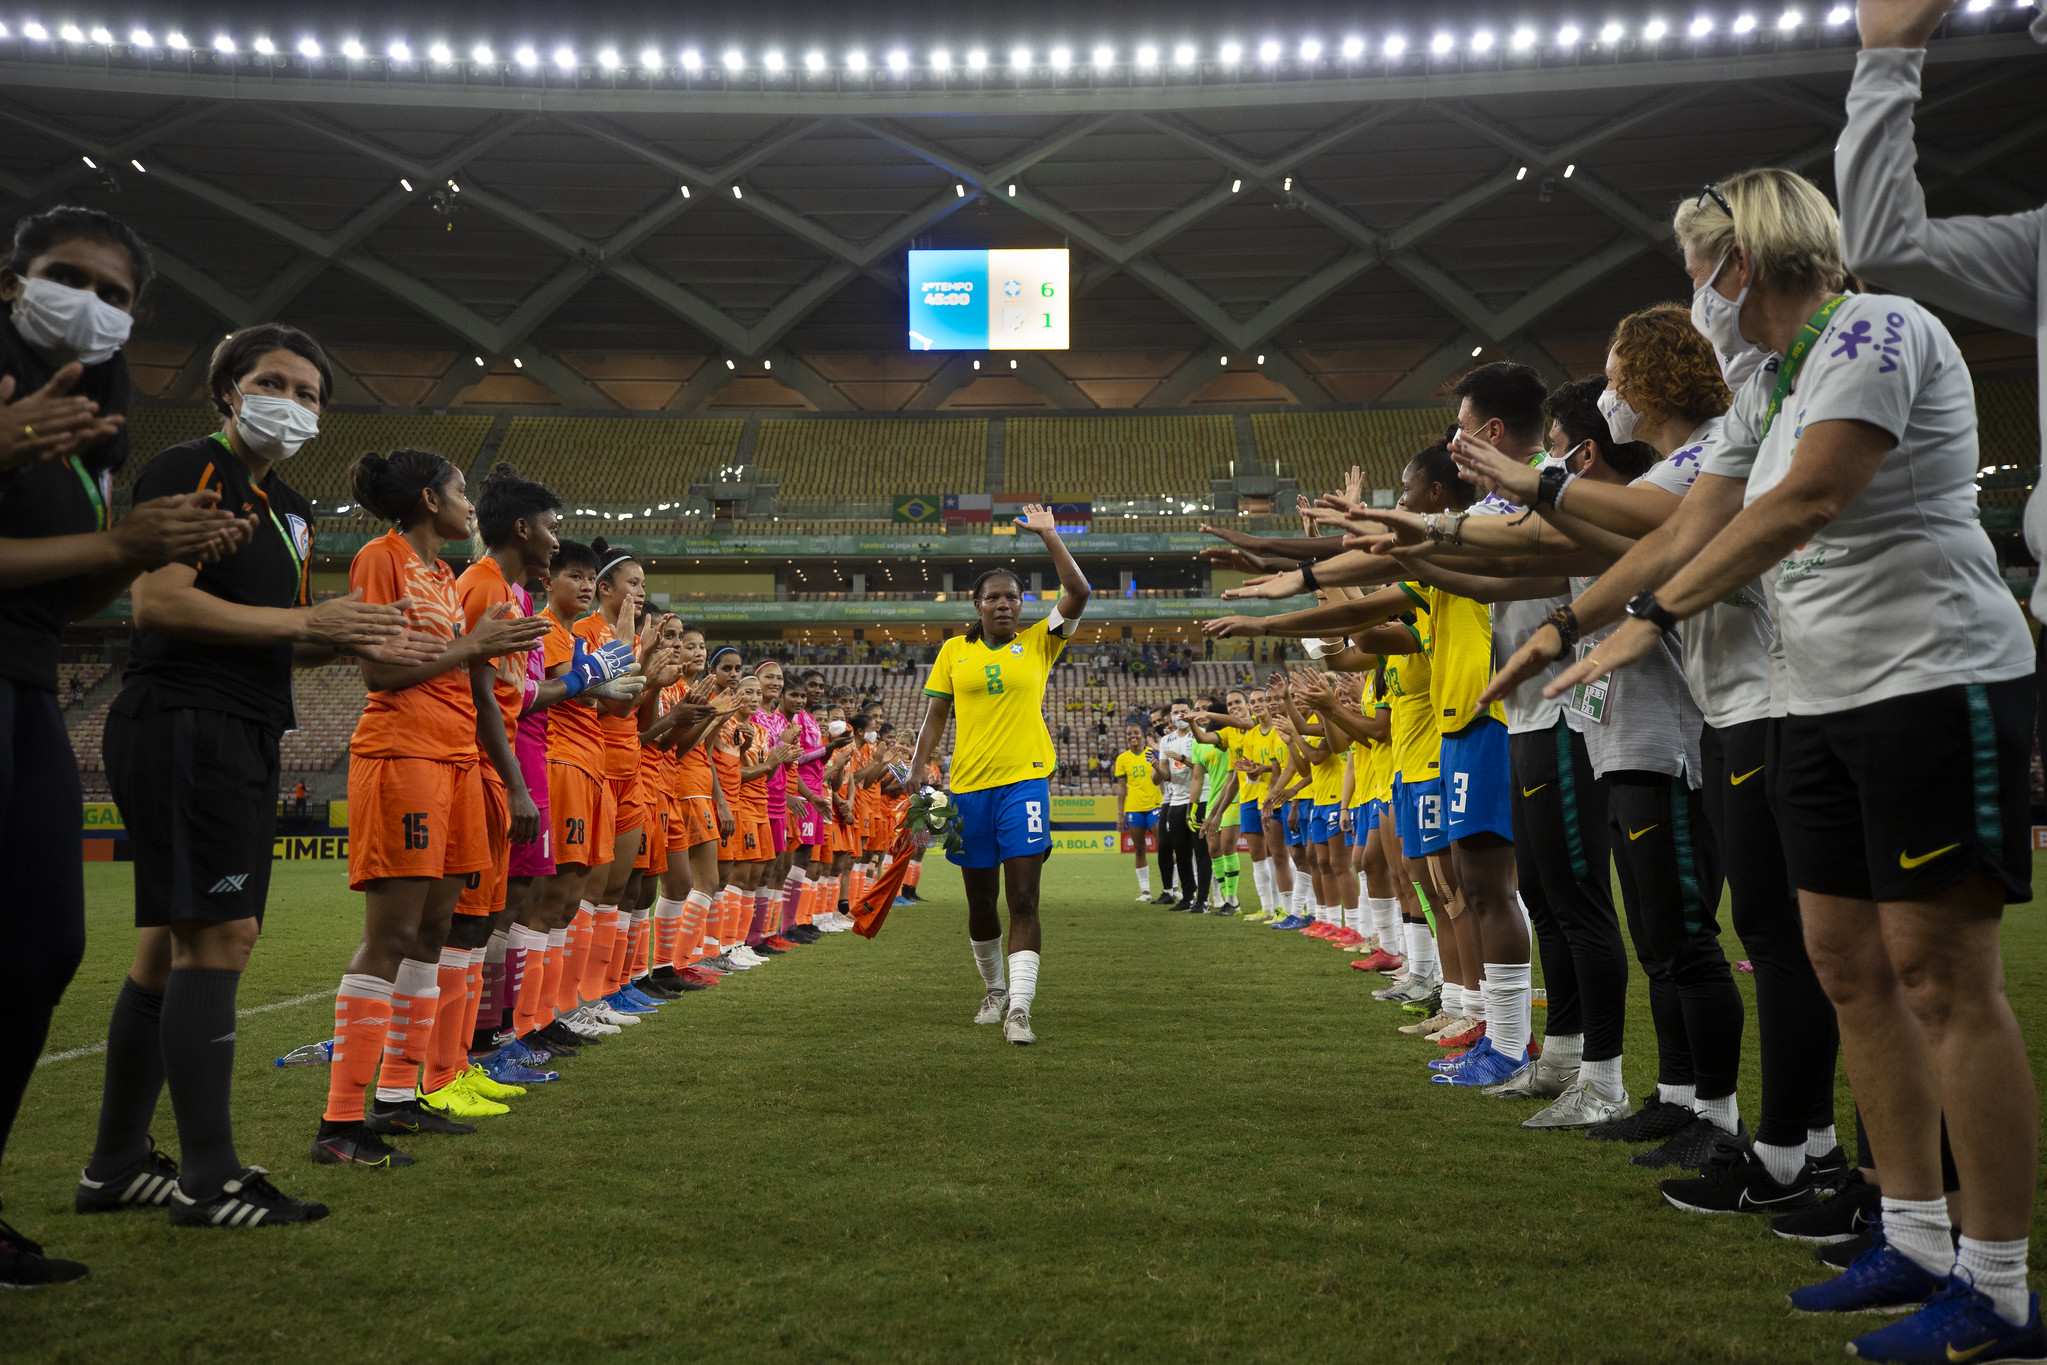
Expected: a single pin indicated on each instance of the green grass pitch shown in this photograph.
(1220, 1151)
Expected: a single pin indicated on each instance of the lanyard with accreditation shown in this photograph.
(298, 561)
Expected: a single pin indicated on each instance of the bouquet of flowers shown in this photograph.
(934, 819)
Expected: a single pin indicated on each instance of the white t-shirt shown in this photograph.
(1899, 594)
(1513, 622)
(1177, 749)
(1727, 646)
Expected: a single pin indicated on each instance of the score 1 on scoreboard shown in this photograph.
(988, 300)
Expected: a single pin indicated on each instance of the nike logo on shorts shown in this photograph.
(1908, 862)
(1737, 781)
(1527, 792)
(1635, 834)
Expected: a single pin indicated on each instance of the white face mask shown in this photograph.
(836, 728)
(55, 317)
(275, 426)
(1179, 722)
(871, 736)
(1620, 418)
(1737, 368)
(1718, 317)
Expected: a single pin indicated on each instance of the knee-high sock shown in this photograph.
(667, 925)
(473, 980)
(794, 887)
(696, 922)
(199, 1060)
(529, 984)
(362, 1017)
(447, 1049)
(597, 960)
(134, 1081)
(554, 972)
(1508, 994)
(621, 951)
(415, 1000)
(914, 875)
(988, 958)
(1023, 980)
(580, 939)
(757, 927)
(497, 995)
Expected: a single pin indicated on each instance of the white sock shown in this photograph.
(1304, 893)
(1603, 1078)
(1023, 980)
(558, 938)
(1261, 882)
(1453, 999)
(494, 950)
(1563, 1049)
(1918, 1228)
(1527, 924)
(1507, 995)
(1386, 922)
(1686, 1095)
(1820, 1141)
(1144, 879)
(530, 940)
(1783, 1163)
(988, 957)
(1998, 1270)
(1475, 1002)
(664, 908)
(1725, 1112)
(1421, 949)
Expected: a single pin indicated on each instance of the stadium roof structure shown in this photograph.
(1351, 224)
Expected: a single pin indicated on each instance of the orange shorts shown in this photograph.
(751, 842)
(881, 832)
(580, 807)
(696, 822)
(842, 838)
(634, 809)
(658, 835)
(415, 817)
(484, 892)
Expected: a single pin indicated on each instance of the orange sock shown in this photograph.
(448, 1048)
(696, 918)
(362, 1016)
(551, 976)
(916, 872)
(667, 928)
(621, 953)
(597, 962)
(575, 947)
(532, 983)
(472, 1005)
(415, 1001)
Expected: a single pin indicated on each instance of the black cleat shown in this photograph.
(655, 989)
(353, 1144)
(556, 1040)
(144, 1185)
(1842, 1218)
(1734, 1180)
(764, 950)
(23, 1265)
(1165, 898)
(802, 933)
(1656, 1120)
(410, 1116)
(1689, 1146)
(243, 1202)
(677, 984)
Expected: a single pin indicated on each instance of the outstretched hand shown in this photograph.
(1630, 642)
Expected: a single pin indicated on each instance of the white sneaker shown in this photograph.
(1143, 898)
(1016, 1028)
(605, 1014)
(747, 957)
(579, 1022)
(992, 1007)
(1578, 1107)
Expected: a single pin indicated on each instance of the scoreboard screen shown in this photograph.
(988, 300)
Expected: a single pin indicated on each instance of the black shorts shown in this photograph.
(198, 793)
(1905, 798)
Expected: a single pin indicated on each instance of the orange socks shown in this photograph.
(415, 999)
(531, 987)
(689, 941)
(448, 1047)
(362, 1016)
(667, 929)
(916, 872)
(602, 938)
(575, 947)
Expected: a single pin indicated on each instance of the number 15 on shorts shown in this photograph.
(415, 823)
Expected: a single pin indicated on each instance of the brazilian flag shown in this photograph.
(918, 509)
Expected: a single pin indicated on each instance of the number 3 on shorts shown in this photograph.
(1034, 817)
(1459, 781)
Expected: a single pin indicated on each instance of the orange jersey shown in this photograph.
(437, 718)
(481, 587)
(573, 736)
(659, 767)
(864, 796)
(621, 733)
(748, 800)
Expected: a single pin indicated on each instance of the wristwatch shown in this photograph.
(1548, 484)
(1644, 607)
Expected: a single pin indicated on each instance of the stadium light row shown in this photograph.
(1311, 55)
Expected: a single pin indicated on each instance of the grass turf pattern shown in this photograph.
(1219, 1151)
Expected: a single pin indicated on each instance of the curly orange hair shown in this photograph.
(1665, 368)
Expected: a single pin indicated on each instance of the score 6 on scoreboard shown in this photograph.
(988, 300)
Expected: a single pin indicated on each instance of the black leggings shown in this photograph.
(42, 814)
(1560, 854)
(1176, 844)
(1670, 883)
(1796, 1034)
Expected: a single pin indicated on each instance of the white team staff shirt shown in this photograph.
(1178, 752)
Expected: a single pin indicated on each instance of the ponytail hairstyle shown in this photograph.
(505, 499)
(974, 631)
(1437, 466)
(391, 486)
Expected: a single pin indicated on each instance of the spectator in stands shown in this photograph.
(298, 797)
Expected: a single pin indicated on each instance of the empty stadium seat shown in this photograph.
(1074, 458)
(844, 457)
(616, 462)
(1319, 448)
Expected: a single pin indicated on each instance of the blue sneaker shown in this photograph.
(1290, 922)
(522, 1052)
(1880, 1280)
(1493, 1068)
(1446, 1067)
(1957, 1324)
(640, 997)
(1455, 1059)
(900, 901)
(619, 1001)
(511, 1071)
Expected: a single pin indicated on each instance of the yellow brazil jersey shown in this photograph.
(1362, 757)
(998, 705)
(1417, 744)
(1460, 657)
(1325, 779)
(1258, 747)
(1142, 793)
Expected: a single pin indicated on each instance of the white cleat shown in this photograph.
(1016, 1028)
(992, 1007)
(580, 1022)
(1578, 1107)
(604, 1014)
(1144, 898)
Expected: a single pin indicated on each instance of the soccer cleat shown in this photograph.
(1293, 922)
(243, 1202)
(675, 983)
(655, 991)
(993, 1006)
(1467, 1034)
(803, 933)
(1480, 1066)
(1689, 1146)
(353, 1144)
(1016, 1028)
(1734, 1180)
(1957, 1324)
(1578, 1107)
(479, 1082)
(1435, 1023)
(1144, 898)
(900, 901)
(765, 949)
(408, 1116)
(1656, 1120)
(781, 943)
(619, 1003)
(513, 1072)
(457, 1101)
(1543, 1080)
(1380, 961)
(558, 1039)
(23, 1265)
(1845, 1216)
(585, 1025)
(1165, 898)
(639, 997)
(1881, 1280)
(521, 1051)
(700, 976)
(602, 1013)
(144, 1184)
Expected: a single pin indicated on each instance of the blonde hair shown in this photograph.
(1788, 228)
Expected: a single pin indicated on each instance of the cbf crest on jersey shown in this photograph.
(1016, 649)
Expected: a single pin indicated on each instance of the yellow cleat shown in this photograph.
(455, 1101)
(479, 1083)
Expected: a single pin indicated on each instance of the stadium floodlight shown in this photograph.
(1978, 6)
(174, 39)
(309, 48)
(1287, 184)
(265, 47)
(1353, 48)
(1701, 27)
(608, 59)
(34, 30)
(1184, 55)
(774, 61)
(221, 44)
(90, 163)
(1745, 23)
(691, 59)
(685, 191)
(813, 62)
(1230, 53)
(72, 33)
(1012, 191)
(481, 54)
(899, 61)
(139, 167)
(1521, 174)
(1839, 14)
(1570, 170)
(977, 60)
(1268, 52)
(1105, 57)
(736, 194)
(1475, 351)
(1612, 32)
(101, 36)
(400, 51)
(1523, 39)
(941, 59)
(405, 184)
(1568, 36)
(525, 57)
(1311, 50)
(1395, 45)
(1020, 58)
(1236, 186)
(959, 191)
(1062, 58)
(1789, 20)
(565, 59)
(856, 61)
(1441, 44)
(1482, 41)
(650, 60)
(734, 59)
(141, 37)
(1147, 56)
(1654, 30)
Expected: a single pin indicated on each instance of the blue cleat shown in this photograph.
(1483, 1065)
(523, 1052)
(640, 997)
(511, 1071)
(620, 1002)
(1290, 922)
(900, 901)
(1880, 1280)
(1455, 1059)
(1957, 1324)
